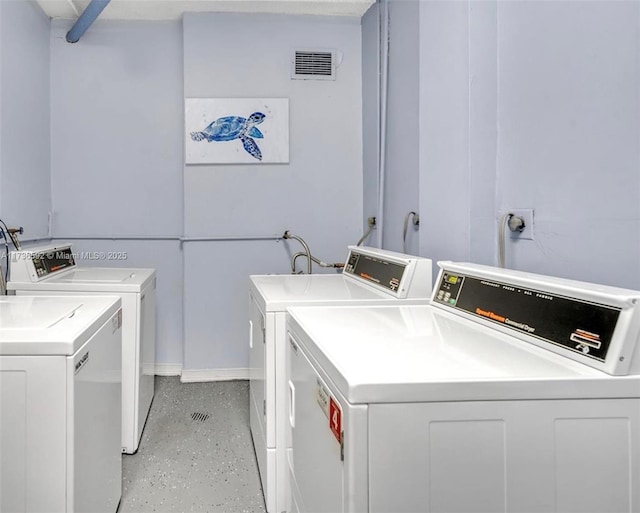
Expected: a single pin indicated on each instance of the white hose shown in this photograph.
(365, 235)
(501, 226)
(404, 229)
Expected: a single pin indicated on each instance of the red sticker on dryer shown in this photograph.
(335, 419)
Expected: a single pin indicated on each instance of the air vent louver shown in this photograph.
(314, 65)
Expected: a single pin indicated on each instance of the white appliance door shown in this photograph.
(147, 337)
(580, 455)
(95, 410)
(316, 466)
(33, 430)
(257, 395)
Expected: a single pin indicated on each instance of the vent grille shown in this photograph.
(199, 416)
(314, 65)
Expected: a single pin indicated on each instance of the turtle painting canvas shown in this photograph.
(226, 131)
(229, 128)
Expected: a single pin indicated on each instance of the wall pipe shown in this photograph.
(384, 87)
(35, 239)
(86, 19)
(164, 238)
(116, 237)
(231, 239)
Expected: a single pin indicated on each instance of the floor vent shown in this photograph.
(199, 416)
(314, 65)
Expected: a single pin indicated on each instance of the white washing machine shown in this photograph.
(53, 270)
(370, 276)
(510, 392)
(60, 404)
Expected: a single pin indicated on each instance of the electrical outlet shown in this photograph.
(527, 215)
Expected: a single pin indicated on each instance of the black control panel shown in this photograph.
(48, 262)
(577, 325)
(375, 270)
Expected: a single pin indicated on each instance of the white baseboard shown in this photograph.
(192, 376)
(168, 369)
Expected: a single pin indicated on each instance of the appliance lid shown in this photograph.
(34, 314)
(276, 293)
(97, 275)
(421, 353)
(53, 325)
(91, 279)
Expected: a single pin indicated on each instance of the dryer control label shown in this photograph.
(322, 396)
(116, 321)
(330, 408)
(82, 362)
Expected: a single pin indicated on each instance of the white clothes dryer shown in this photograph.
(60, 404)
(370, 276)
(54, 270)
(510, 392)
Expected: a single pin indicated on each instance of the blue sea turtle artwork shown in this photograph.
(230, 128)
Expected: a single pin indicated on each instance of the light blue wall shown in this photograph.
(370, 114)
(402, 146)
(483, 130)
(445, 185)
(529, 105)
(116, 110)
(458, 130)
(317, 196)
(25, 186)
(569, 136)
(521, 105)
(403, 138)
(116, 158)
(117, 164)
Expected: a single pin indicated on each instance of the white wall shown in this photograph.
(25, 186)
(317, 196)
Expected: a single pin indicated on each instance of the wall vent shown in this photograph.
(314, 65)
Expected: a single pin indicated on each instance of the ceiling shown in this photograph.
(173, 9)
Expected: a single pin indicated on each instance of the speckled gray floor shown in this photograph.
(196, 452)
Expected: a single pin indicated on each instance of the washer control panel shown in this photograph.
(37, 264)
(52, 261)
(399, 275)
(375, 269)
